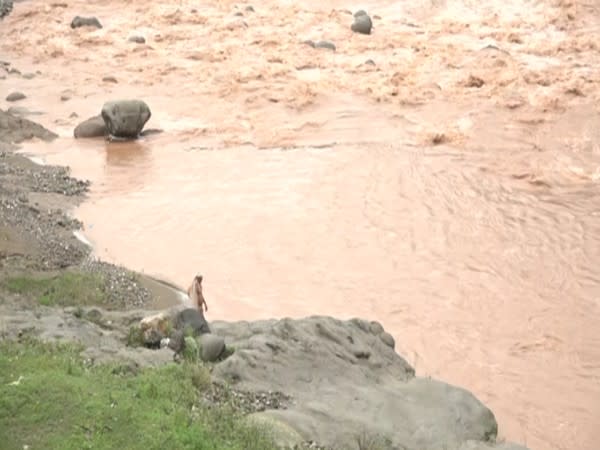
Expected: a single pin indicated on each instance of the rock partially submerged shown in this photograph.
(14, 129)
(92, 127)
(137, 39)
(321, 44)
(125, 119)
(79, 22)
(15, 96)
(362, 23)
(95, 127)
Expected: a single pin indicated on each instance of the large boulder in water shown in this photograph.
(125, 118)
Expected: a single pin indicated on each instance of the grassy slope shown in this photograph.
(64, 289)
(60, 403)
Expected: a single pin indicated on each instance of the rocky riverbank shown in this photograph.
(316, 381)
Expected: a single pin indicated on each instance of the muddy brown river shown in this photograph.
(448, 187)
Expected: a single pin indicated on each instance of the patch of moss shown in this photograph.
(191, 350)
(65, 289)
(135, 337)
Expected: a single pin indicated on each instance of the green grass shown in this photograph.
(66, 289)
(61, 403)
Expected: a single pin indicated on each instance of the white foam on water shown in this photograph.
(80, 236)
(35, 159)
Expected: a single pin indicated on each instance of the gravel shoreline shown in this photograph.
(36, 230)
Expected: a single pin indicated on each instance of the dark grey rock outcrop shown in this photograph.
(344, 377)
(340, 379)
(125, 118)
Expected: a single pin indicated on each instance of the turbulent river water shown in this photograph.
(448, 187)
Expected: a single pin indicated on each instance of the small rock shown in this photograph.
(250, 8)
(325, 44)
(212, 347)
(28, 76)
(79, 21)
(66, 95)
(19, 111)
(376, 328)
(387, 339)
(474, 81)
(362, 24)
(370, 62)
(137, 39)
(239, 14)
(94, 315)
(15, 96)
(92, 127)
(109, 79)
(575, 91)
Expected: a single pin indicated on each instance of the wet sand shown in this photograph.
(449, 190)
